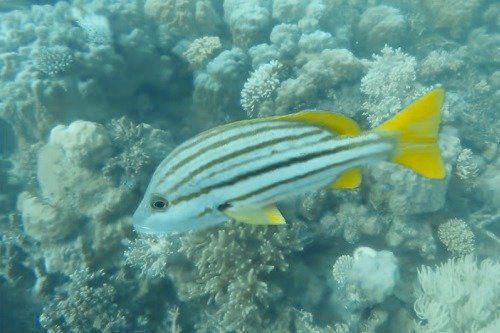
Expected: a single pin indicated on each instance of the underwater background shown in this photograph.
(95, 93)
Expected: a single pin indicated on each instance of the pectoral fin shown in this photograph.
(265, 215)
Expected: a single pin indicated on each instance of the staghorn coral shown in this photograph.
(304, 324)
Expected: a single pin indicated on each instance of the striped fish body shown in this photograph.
(238, 171)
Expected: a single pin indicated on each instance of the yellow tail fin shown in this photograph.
(416, 131)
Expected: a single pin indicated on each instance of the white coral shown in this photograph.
(467, 167)
(457, 236)
(200, 49)
(151, 255)
(260, 86)
(53, 60)
(390, 84)
(458, 296)
(96, 27)
(367, 277)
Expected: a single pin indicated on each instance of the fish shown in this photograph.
(239, 171)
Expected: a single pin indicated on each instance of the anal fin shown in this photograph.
(348, 179)
(269, 215)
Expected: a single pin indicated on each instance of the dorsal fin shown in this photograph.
(337, 123)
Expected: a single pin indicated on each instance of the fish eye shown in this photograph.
(159, 203)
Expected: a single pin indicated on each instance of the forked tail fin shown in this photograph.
(416, 132)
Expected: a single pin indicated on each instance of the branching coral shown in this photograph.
(232, 269)
(96, 27)
(440, 62)
(139, 148)
(457, 236)
(105, 68)
(151, 255)
(390, 84)
(467, 167)
(260, 86)
(53, 61)
(87, 303)
(200, 49)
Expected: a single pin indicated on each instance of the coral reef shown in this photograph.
(457, 237)
(259, 87)
(95, 93)
(87, 304)
(459, 295)
(389, 84)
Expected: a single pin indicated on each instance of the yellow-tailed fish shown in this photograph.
(240, 170)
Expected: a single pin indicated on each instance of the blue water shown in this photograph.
(94, 94)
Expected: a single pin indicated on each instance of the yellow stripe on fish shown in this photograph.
(240, 170)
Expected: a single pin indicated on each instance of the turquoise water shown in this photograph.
(95, 93)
